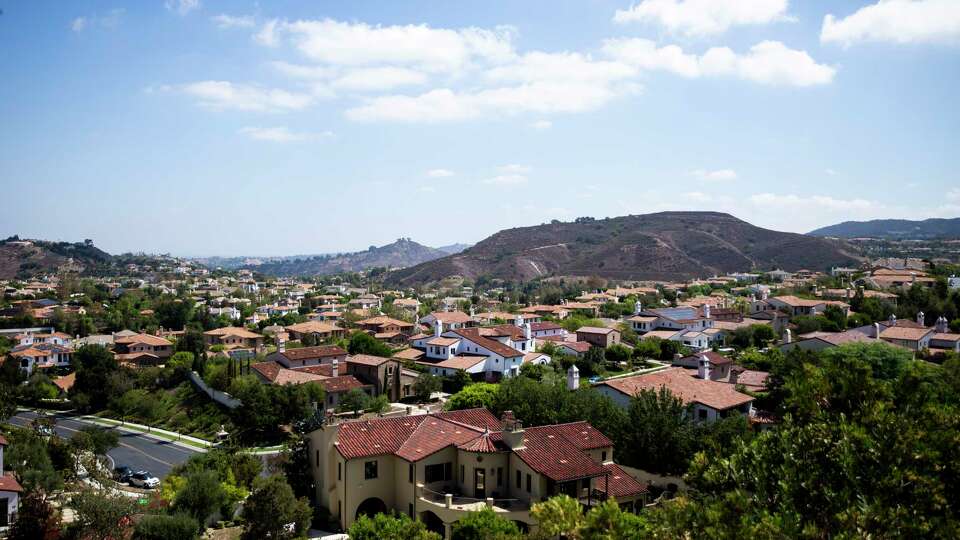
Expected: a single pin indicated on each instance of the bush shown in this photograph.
(163, 527)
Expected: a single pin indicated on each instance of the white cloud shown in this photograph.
(267, 36)
(225, 21)
(280, 134)
(563, 67)
(514, 168)
(506, 180)
(704, 17)
(897, 21)
(541, 125)
(182, 7)
(110, 20)
(224, 95)
(717, 175)
(440, 173)
(830, 172)
(954, 195)
(767, 62)
(429, 49)
(379, 78)
(299, 71)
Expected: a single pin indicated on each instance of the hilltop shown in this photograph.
(22, 259)
(904, 229)
(662, 246)
(402, 253)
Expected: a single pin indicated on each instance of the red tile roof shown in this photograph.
(9, 483)
(544, 326)
(343, 383)
(621, 483)
(366, 359)
(683, 384)
(310, 353)
(473, 334)
(549, 451)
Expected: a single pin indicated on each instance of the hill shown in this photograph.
(22, 259)
(454, 248)
(400, 254)
(893, 228)
(663, 246)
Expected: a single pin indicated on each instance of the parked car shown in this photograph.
(144, 479)
(122, 474)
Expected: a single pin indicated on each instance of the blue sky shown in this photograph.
(230, 128)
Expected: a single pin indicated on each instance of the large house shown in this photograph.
(490, 353)
(691, 326)
(598, 337)
(142, 349)
(438, 467)
(449, 319)
(232, 337)
(9, 493)
(322, 331)
(711, 399)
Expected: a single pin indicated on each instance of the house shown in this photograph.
(541, 330)
(411, 305)
(574, 348)
(232, 337)
(327, 376)
(722, 369)
(797, 306)
(943, 340)
(915, 339)
(387, 329)
(306, 356)
(450, 319)
(10, 491)
(710, 399)
(41, 356)
(824, 340)
(385, 375)
(439, 467)
(598, 337)
(491, 353)
(141, 349)
(557, 312)
(675, 318)
(322, 331)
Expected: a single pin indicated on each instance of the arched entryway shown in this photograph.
(371, 507)
(433, 522)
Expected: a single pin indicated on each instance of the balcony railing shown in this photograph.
(457, 501)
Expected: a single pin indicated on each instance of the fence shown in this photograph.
(222, 398)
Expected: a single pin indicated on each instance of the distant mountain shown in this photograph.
(454, 248)
(400, 254)
(664, 246)
(893, 228)
(23, 259)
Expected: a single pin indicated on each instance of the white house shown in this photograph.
(9, 493)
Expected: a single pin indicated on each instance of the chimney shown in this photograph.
(706, 311)
(527, 331)
(437, 328)
(735, 375)
(920, 317)
(281, 344)
(336, 368)
(941, 325)
(472, 311)
(787, 336)
(518, 320)
(849, 293)
(703, 371)
(573, 378)
(876, 330)
(637, 308)
(892, 320)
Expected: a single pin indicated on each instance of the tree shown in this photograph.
(661, 434)
(763, 334)
(560, 515)
(591, 362)
(354, 400)
(37, 519)
(473, 396)
(484, 525)
(95, 384)
(425, 386)
(165, 527)
(100, 514)
(200, 496)
(364, 343)
(389, 527)
(29, 458)
(272, 507)
(607, 521)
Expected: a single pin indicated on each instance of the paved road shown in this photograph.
(136, 451)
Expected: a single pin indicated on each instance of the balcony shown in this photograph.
(450, 504)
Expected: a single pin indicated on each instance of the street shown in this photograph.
(136, 450)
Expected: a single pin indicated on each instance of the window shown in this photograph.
(529, 482)
(703, 414)
(437, 473)
(603, 455)
(462, 474)
(518, 479)
(339, 466)
(370, 470)
(499, 476)
(410, 474)
(410, 509)
(318, 458)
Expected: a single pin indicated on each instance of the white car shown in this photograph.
(144, 479)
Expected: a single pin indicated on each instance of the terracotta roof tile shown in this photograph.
(683, 384)
(621, 483)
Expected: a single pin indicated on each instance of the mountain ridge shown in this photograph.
(904, 229)
(401, 253)
(661, 246)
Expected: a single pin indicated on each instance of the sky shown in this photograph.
(207, 127)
